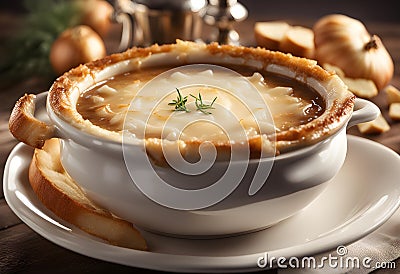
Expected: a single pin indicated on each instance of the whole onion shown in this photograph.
(75, 46)
(97, 15)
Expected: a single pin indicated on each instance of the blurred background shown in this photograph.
(25, 50)
(383, 10)
(29, 28)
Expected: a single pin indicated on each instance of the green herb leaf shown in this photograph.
(180, 102)
(201, 105)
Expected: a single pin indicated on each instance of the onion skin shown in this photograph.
(345, 42)
(75, 46)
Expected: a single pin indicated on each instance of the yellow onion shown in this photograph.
(75, 46)
(97, 15)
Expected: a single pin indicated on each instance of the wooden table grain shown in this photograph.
(24, 251)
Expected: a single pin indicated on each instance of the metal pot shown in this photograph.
(145, 22)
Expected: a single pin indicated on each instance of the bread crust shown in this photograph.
(300, 46)
(73, 206)
(25, 127)
(265, 38)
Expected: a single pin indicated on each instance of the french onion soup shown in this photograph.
(271, 101)
(291, 104)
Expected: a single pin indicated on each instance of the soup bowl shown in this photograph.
(278, 173)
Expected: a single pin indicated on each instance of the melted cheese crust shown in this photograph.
(245, 106)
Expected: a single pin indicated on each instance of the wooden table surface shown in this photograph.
(23, 250)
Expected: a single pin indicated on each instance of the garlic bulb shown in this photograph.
(345, 42)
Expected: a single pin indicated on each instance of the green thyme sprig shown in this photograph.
(180, 103)
(201, 105)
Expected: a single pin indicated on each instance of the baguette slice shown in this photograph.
(394, 111)
(270, 34)
(377, 126)
(392, 94)
(364, 88)
(62, 195)
(334, 69)
(299, 41)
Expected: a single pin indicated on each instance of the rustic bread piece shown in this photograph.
(334, 69)
(394, 111)
(25, 127)
(363, 88)
(392, 94)
(270, 34)
(377, 126)
(299, 41)
(60, 194)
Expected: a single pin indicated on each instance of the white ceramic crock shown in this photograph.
(296, 179)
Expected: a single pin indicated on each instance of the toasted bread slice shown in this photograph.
(394, 111)
(299, 41)
(63, 196)
(392, 94)
(377, 126)
(25, 127)
(334, 69)
(363, 88)
(270, 34)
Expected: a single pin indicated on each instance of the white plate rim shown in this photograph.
(189, 263)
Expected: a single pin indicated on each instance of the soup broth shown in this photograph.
(118, 104)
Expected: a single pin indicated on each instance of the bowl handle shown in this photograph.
(25, 126)
(364, 111)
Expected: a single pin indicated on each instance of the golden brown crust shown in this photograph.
(321, 127)
(75, 209)
(25, 127)
(62, 87)
(302, 66)
(336, 115)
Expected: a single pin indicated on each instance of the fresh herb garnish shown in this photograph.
(202, 106)
(179, 103)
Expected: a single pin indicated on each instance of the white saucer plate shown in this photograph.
(362, 197)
